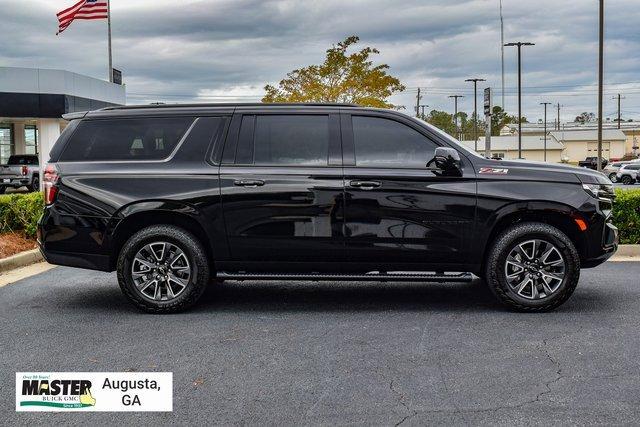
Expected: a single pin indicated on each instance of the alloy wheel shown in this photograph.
(535, 269)
(160, 271)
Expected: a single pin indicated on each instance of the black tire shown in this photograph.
(188, 244)
(3, 189)
(627, 180)
(612, 177)
(35, 184)
(506, 241)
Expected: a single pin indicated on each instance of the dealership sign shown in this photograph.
(94, 391)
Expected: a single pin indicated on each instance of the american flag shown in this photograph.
(84, 9)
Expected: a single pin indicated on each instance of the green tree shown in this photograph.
(342, 77)
(500, 118)
(443, 121)
(586, 117)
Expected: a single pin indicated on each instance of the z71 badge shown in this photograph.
(494, 171)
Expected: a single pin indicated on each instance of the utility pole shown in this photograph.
(502, 52)
(545, 128)
(475, 109)
(600, 83)
(455, 112)
(519, 45)
(619, 115)
(558, 128)
(422, 106)
(418, 97)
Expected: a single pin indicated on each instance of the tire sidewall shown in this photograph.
(188, 244)
(497, 278)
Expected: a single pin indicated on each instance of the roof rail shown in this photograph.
(74, 116)
(229, 104)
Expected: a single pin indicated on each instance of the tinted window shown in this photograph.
(125, 139)
(386, 143)
(284, 140)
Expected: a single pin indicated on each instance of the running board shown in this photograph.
(374, 277)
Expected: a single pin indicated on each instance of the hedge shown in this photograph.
(626, 215)
(20, 212)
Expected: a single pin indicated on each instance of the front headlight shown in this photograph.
(600, 191)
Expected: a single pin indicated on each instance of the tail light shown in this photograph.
(49, 183)
(25, 170)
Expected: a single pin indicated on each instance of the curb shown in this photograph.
(628, 251)
(20, 260)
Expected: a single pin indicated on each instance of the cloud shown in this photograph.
(229, 49)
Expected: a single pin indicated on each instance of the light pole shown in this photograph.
(600, 83)
(545, 128)
(455, 112)
(475, 109)
(519, 44)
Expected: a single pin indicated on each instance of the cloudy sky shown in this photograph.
(227, 50)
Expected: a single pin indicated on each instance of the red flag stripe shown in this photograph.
(81, 10)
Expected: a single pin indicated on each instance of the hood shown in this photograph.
(584, 175)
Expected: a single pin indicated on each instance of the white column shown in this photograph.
(18, 138)
(48, 133)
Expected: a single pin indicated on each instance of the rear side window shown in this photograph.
(381, 142)
(125, 139)
(23, 160)
(284, 140)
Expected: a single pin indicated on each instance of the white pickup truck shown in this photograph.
(22, 170)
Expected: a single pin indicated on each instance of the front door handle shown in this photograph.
(248, 182)
(366, 185)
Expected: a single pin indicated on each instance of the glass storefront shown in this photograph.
(6, 142)
(30, 139)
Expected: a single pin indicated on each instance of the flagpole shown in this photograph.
(109, 35)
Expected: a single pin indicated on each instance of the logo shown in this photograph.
(494, 171)
(94, 391)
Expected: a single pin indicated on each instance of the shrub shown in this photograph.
(626, 216)
(20, 212)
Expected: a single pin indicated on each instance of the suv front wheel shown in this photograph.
(163, 269)
(533, 267)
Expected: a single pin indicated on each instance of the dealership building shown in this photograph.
(32, 102)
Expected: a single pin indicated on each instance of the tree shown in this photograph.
(443, 121)
(500, 118)
(342, 77)
(585, 118)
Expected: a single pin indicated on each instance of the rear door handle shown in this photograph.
(366, 185)
(248, 182)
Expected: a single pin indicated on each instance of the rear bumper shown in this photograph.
(15, 182)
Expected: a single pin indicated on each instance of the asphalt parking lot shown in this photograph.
(338, 353)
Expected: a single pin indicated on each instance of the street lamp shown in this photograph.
(455, 112)
(545, 128)
(475, 109)
(519, 44)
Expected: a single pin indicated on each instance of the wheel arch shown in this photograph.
(136, 217)
(558, 215)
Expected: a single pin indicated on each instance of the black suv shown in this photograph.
(177, 197)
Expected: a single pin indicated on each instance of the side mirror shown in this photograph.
(445, 162)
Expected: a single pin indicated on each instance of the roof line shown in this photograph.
(229, 104)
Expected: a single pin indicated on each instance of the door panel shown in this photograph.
(294, 216)
(397, 213)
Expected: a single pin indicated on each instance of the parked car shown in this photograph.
(21, 170)
(612, 169)
(628, 174)
(173, 197)
(592, 163)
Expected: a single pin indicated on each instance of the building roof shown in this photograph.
(510, 143)
(588, 135)
(571, 126)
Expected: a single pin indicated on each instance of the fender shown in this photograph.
(160, 211)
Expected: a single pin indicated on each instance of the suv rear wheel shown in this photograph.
(627, 180)
(163, 269)
(533, 267)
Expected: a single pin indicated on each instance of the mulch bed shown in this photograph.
(13, 243)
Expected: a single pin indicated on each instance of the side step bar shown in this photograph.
(374, 277)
